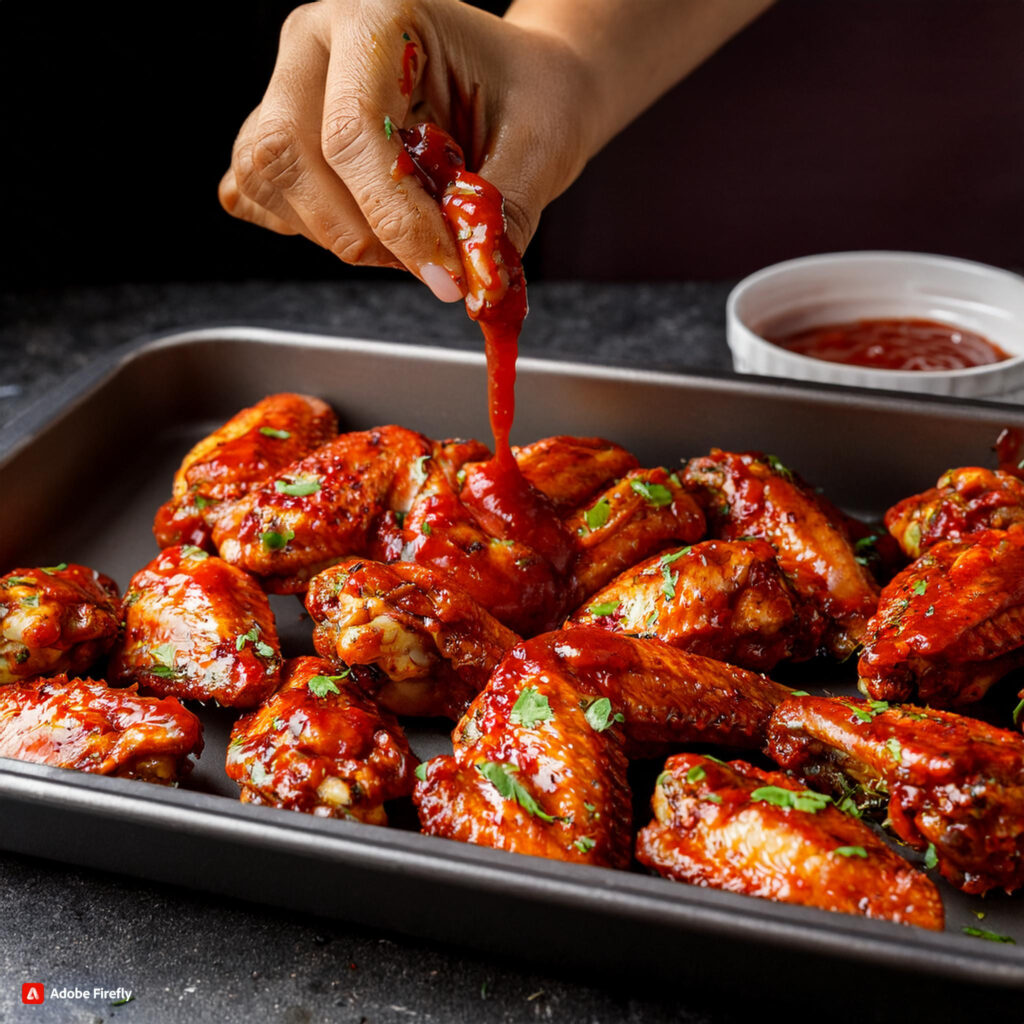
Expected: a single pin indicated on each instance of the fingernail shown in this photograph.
(440, 282)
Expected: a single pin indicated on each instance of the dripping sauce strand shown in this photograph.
(501, 496)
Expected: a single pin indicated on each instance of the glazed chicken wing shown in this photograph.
(954, 784)
(198, 628)
(321, 746)
(723, 599)
(736, 827)
(434, 647)
(222, 467)
(951, 624)
(754, 495)
(63, 618)
(963, 502)
(539, 760)
(86, 725)
(570, 471)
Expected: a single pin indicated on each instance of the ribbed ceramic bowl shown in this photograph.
(841, 287)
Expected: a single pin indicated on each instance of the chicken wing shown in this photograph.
(723, 599)
(539, 760)
(754, 495)
(198, 628)
(434, 646)
(736, 827)
(321, 746)
(951, 624)
(963, 502)
(642, 513)
(570, 471)
(223, 466)
(86, 725)
(61, 618)
(955, 785)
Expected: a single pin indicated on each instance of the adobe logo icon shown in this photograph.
(33, 992)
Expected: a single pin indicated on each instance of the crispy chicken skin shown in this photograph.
(571, 470)
(223, 466)
(434, 647)
(62, 618)
(953, 782)
(321, 746)
(951, 624)
(754, 495)
(539, 760)
(736, 827)
(86, 725)
(723, 599)
(963, 502)
(197, 628)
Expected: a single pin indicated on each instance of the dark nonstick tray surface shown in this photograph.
(82, 474)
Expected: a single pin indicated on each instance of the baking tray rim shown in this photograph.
(694, 908)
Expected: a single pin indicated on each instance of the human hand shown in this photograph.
(320, 155)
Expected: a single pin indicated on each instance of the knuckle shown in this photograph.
(277, 156)
(350, 247)
(342, 134)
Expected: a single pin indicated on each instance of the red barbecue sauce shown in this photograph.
(496, 300)
(410, 65)
(894, 344)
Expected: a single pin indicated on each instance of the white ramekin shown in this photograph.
(845, 286)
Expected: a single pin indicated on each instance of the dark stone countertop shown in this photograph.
(193, 957)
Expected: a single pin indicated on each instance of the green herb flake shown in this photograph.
(981, 933)
(597, 515)
(426, 529)
(202, 502)
(276, 539)
(851, 851)
(530, 709)
(849, 806)
(668, 587)
(657, 495)
(696, 774)
(30, 601)
(796, 799)
(673, 556)
(19, 581)
(895, 750)
(1018, 713)
(799, 693)
(280, 435)
(419, 469)
(389, 127)
(864, 549)
(931, 858)
(604, 608)
(584, 844)
(713, 798)
(252, 635)
(320, 686)
(164, 654)
(258, 774)
(421, 771)
(51, 569)
(599, 714)
(194, 553)
(920, 586)
(503, 778)
(300, 487)
(776, 465)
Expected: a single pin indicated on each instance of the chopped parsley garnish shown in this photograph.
(503, 778)
(783, 471)
(426, 529)
(670, 578)
(920, 586)
(299, 487)
(864, 548)
(797, 799)
(851, 851)
(389, 127)
(258, 775)
(276, 539)
(203, 502)
(657, 495)
(51, 569)
(530, 709)
(191, 551)
(867, 711)
(673, 556)
(1018, 713)
(597, 515)
(603, 608)
(421, 771)
(164, 655)
(281, 435)
(849, 806)
(320, 686)
(419, 469)
(264, 650)
(30, 601)
(599, 714)
(931, 858)
(713, 798)
(584, 844)
(981, 933)
(895, 750)
(19, 581)
(696, 774)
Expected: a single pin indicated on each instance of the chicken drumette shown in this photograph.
(736, 827)
(539, 759)
(754, 495)
(61, 618)
(223, 466)
(954, 785)
(321, 746)
(199, 628)
(86, 725)
(723, 599)
(951, 624)
(964, 501)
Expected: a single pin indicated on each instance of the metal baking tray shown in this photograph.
(82, 474)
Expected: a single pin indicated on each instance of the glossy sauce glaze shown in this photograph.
(893, 344)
